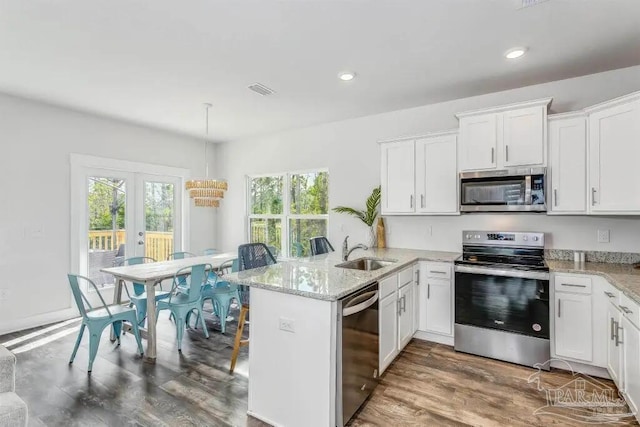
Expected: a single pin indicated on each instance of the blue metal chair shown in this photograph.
(180, 255)
(181, 304)
(139, 297)
(320, 245)
(99, 318)
(221, 293)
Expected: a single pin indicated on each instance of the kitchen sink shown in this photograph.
(366, 264)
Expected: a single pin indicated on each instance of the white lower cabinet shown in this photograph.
(435, 298)
(396, 314)
(631, 358)
(614, 351)
(573, 326)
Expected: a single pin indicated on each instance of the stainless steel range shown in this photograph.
(502, 297)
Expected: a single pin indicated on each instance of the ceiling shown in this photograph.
(156, 62)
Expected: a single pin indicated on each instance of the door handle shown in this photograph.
(437, 272)
(555, 197)
(428, 290)
(609, 294)
(559, 307)
(618, 329)
(506, 152)
(422, 201)
(411, 201)
(613, 329)
(417, 277)
(399, 302)
(404, 303)
(492, 154)
(593, 196)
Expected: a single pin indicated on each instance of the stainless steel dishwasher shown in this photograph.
(357, 345)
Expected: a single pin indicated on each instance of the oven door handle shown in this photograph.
(536, 275)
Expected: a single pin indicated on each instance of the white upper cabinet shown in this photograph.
(504, 137)
(614, 147)
(398, 177)
(524, 137)
(419, 176)
(478, 142)
(436, 175)
(568, 164)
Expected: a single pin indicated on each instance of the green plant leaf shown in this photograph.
(368, 216)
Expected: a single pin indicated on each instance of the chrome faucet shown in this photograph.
(346, 251)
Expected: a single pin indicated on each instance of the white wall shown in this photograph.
(349, 149)
(36, 141)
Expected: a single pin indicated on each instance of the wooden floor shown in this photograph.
(428, 385)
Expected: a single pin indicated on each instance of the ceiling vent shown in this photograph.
(261, 89)
(529, 3)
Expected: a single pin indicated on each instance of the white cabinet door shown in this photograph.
(437, 316)
(603, 293)
(406, 315)
(614, 152)
(437, 175)
(631, 358)
(478, 142)
(388, 330)
(614, 351)
(573, 329)
(398, 177)
(524, 136)
(416, 294)
(568, 165)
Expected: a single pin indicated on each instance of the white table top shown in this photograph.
(155, 271)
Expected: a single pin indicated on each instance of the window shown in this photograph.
(286, 210)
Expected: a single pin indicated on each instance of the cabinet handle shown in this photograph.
(555, 197)
(417, 277)
(559, 307)
(609, 294)
(399, 302)
(422, 200)
(411, 201)
(506, 152)
(492, 153)
(437, 272)
(626, 309)
(593, 196)
(428, 290)
(404, 303)
(572, 285)
(613, 329)
(618, 329)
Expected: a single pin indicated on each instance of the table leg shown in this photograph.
(117, 299)
(151, 321)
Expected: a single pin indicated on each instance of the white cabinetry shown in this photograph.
(419, 176)
(504, 137)
(631, 357)
(398, 177)
(435, 299)
(568, 164)
(614, 129)
(397, 314)
(573, 317)
(614, 351)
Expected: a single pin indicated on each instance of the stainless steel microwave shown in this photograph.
(509, 190)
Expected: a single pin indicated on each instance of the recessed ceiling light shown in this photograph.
(347, 75)
(515, 52)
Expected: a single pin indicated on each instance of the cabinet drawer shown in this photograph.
(388, 285)
(405, 276)
(439, 270)
(631, 309)
(570, 283)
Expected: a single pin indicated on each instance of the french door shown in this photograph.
(118, 214)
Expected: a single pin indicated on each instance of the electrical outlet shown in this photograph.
(287, 324)
(603, 236)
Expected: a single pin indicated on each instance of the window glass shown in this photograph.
(266, 195)
(309, 193)
(300, 231)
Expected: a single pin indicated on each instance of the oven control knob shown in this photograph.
(525, 238)
(535, 238)
(468, 236)
(477, 236)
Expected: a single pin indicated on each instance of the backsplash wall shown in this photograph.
(561, 232)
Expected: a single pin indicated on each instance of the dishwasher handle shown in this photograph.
(349, 310)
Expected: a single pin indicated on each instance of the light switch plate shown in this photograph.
(287, 324)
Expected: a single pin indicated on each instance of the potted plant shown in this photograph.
(368, 216)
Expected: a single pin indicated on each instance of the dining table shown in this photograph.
(151, 274)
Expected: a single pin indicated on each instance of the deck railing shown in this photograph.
(158, 244)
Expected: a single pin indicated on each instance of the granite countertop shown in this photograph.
(622, 276)
(318, 277)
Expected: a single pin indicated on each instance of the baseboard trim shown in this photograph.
(39, 320)
(430, 336)
(263, 419)
(593, 371)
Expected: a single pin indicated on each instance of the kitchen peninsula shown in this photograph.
(293, 355)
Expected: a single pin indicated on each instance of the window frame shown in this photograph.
(286, 214)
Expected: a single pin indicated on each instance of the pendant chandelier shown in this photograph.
(206, 192)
